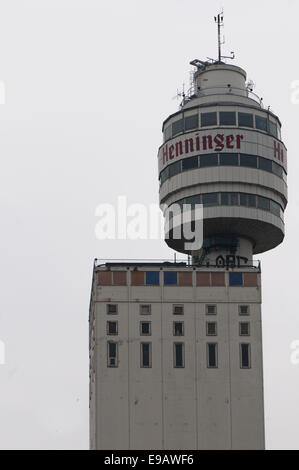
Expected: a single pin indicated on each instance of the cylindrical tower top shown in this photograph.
(220, 78)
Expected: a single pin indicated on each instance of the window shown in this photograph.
(167, 133)
(243, 309)
(273, 128)
(263, 203)
(145, 328)
(152, 278)
(235, 279)
(208, 119)
(211, 310)
(191, 122)
(145, 309)
(229, 199)
(275, 208)
(231, 159)
(164, 174)
(170, 277)
(174, 169)
(261, 123)
(212, 353)
(265, 164)
(227, 118)
(112, 328)
(177, 127)
(245, 356)
(112, 309)
(245, 119)
(178, 355)
(189, 163)
(209, 159)
(210, 199)
(248, 160)
(248, 200)
(277, 170)
(112, 354)
(178, 328)
(146, 354)
(178, 309)
(244, 328)
(211, 328)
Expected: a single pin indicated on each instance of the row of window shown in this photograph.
(178, 328)
(178, 355)
(223, 118)
(230, 199)
(177, 309)
(222, 159)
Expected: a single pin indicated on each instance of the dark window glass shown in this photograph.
(210, 199)
(177, 127)
(191, 122)
(227, 118)
(248, 160)
(261, 123)
(152, 278)
(164, 174)
(224, 199)
(145, 309)
(208, 119)
(243, 199)
(174, 169)
(145, 355)
(112, 354)
(212, 354)
(170, 277)
(251, 200)
(167, 133)
(245, 119)
(244, 329)
(272, 128)
(188, 163)
(211, 309)
(193, 200)
(275, 208)
(211, 328)
(178, 328)
(229, 199)
(235, 279)
(263, 203)
(265, 164)
(112, 328)
(231, 159)
(243, 309)
(112, 309)
(277, 169)
(178, 355)
(178, 309)
(245, 356)
(145, 328)
(210, 159)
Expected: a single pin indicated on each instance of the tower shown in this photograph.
(176, 348)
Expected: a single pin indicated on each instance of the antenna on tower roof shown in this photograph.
(219, 20)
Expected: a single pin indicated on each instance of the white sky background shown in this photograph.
(88, 84)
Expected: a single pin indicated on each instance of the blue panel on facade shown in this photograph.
(235, 279)
(152, 278)
(170, 277)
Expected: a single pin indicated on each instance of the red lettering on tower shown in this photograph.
(165, 154)
(178, 148)
(189, 143)
(276, 150)
(207, 142)
(239, 138)
(219, 139)
(171, 154)
(229, 141)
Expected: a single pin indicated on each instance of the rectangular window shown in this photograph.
(244, 328)
(265, 164)
(178, 353)
(211, 328)
(145, 328)
(275, 208)
(167, 133)
(112, 354)
(189, 163)
(112, 309)
(178, 309)
(210, 199)
(251, 199)
(243, 309)
(263, 203)
(170, 278)
(212, 355)
(273, 128)
(178, 328)
(209, 159)
(235, 279)
(277, 170)
(261, 123)
(229, 159)
(145, 309)
(152, 278)
(208, 119)
(164, 174)
(177, 127)
(245, 119)
(229, 199)
(211, 310)
(191, 122)
(248, 160)
(245, 362)
(227, 118)
(146, 355)
(174, 169)
(112, 328)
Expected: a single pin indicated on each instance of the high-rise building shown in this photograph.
(176, 348)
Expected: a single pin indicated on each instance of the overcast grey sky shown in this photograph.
(88, 84)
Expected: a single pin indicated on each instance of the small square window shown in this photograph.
(152, 278)
(208, 119)
(145, 309)
(170, 277)
(112, 309)
(235, 279)
(227, 118)
(245, 119)
(145, 328)
(244, 329)
(178, 328)
(211, 328)
(112, 328)
(178, 309)
(211, 309)
(243, 309)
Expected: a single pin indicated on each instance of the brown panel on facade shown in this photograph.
(218, 279)
(104, 278)
(203, 279)
(137, 278)
(120, 278)
(250, 279)
(185, 278)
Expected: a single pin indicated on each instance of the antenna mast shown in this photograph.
(219, 21)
